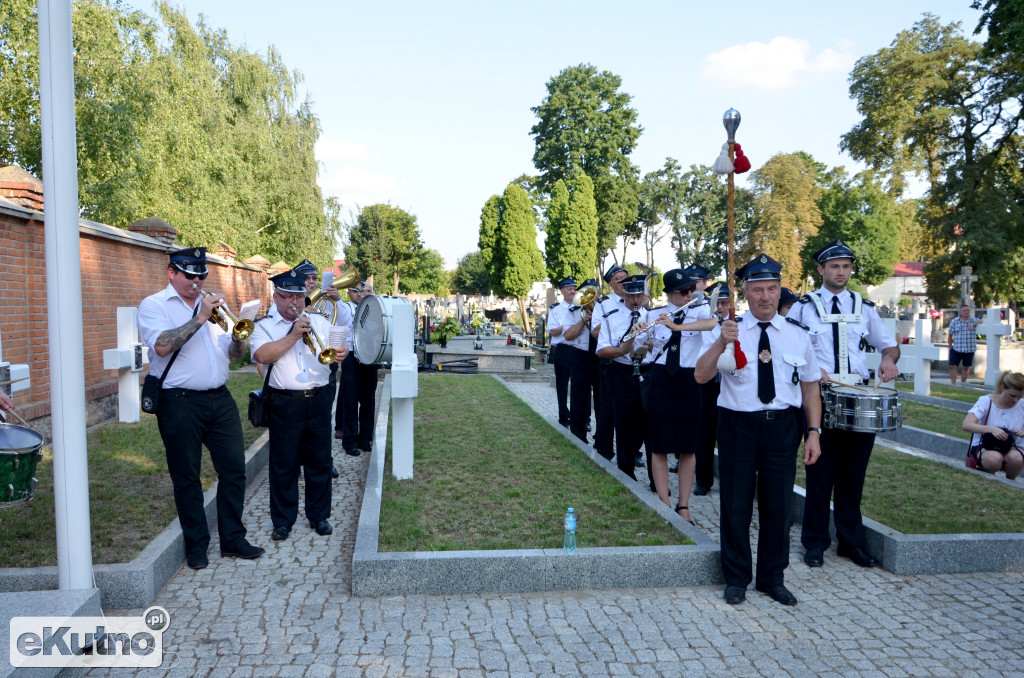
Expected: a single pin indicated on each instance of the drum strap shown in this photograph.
(839, 321)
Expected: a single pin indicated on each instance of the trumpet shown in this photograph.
(323, 353)
(240, 329)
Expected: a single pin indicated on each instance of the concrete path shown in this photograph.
(290, 614)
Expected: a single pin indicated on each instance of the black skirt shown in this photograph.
(673, 411)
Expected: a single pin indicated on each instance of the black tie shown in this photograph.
(765, 373)
(672, 354)
(835, 332)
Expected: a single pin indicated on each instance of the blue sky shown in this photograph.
(426, 105)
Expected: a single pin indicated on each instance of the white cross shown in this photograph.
(992, 328)
(128, 359)
(917, 358)
(16, 374)
(965, 279)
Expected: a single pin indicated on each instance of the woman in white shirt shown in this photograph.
(997, 422)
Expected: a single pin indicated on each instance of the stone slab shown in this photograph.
(75, 603)
(135, 584)
(502, 360)
(512, 571)
(947, 446)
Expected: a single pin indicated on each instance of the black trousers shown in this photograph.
(604, 434)
(756, 457)
(356, 400)
(560, 352)
(705, 473)
(187, 421)
(840, 469)
(300, 436)
(630, 420)
(582, 384)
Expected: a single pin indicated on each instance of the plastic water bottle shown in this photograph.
(569, 544)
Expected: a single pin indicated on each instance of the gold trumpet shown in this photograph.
(323, 353)
(585, 298)
(324, 305)
(240, 329)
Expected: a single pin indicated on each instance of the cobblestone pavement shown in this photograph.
(290, 613)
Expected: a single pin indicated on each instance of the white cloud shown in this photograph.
(354, 186)
(773, 66)
(328, 150)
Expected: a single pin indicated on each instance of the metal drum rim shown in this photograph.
(21, 450)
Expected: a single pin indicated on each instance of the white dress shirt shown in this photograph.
(691, 342)
(298, 368)
(557, 317)
(617, 324)
(202, 363)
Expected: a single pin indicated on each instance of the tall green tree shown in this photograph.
(586, 122)
(471, 276)
(860, 212)
(785, 193)
(515, 261)
(571, 244)
(427, 274)
(384, 241)
(489, 229)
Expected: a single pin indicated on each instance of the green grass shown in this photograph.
(489, 473)
(964, 395)
(920, 496)
(130, 496)
(936, 419)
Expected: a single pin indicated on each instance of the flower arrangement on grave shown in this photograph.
(477, 322)
(442, 332)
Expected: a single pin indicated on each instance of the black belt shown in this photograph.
(766, 414)
(644, 367)
(305, 393)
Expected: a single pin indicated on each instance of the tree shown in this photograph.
(470, 275)
(384, 242)
(586, 123)
(786, 210)
(571, 244)
(858, 211)
(427, 274)
(515, 261)
(489, 229)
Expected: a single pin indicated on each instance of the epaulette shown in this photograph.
(614, 310)
(656, 308)
(555, 304)
(806, 299)
(604, 298)
(867, 302)
(258, 320)
(797, 323)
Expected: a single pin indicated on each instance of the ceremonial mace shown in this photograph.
(731, 121)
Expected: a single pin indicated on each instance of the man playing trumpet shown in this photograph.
(196, 407)
(290, 343)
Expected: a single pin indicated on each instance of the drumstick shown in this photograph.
(12, 381)
(18, 417)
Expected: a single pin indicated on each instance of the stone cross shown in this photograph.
(992, 328)
(16, 375)
(917, 357)
(965, 279)
(404, 388)
(128, 359)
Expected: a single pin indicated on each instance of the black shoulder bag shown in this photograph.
(257, 402)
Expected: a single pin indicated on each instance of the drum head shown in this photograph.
(17, 439)
(370, 330)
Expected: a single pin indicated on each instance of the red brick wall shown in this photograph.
(114, 273)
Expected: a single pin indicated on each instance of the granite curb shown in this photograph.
(135, 584)
(75, 603)
(516, 571)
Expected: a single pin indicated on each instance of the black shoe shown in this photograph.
(684, 508)
(337, 435)
(700, 490)
(352, 453)
(639, 462)
(197, 561)
(280, 533)
(674, 468)
(366, 447)
(734, 595)
(245, 550)
(334, 471)
(780, 594)
(858, 555)
(814, 558)
(322, 528)
(564, 423)
(588, 427)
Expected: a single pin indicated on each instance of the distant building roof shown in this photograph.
(906, 269)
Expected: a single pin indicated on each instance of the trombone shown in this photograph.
(240, 329)
(323, 353)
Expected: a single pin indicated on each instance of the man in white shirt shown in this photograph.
(196, 407)
(298, 403)
(557, 319)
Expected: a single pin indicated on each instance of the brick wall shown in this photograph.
(119, 268)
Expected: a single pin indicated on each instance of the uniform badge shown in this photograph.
(197, 254)
(764, 259)
(765, 356)
(674, 347)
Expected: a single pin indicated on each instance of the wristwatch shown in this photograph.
(816, 429)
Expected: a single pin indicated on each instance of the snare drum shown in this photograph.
(19, 453)
(372, 329)
(849, 408)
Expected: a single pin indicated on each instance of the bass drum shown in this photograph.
(373, 329)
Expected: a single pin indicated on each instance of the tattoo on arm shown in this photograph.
(172, 340)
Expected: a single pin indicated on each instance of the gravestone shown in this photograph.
(965, 279)
(917, 357)
(993, 328)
